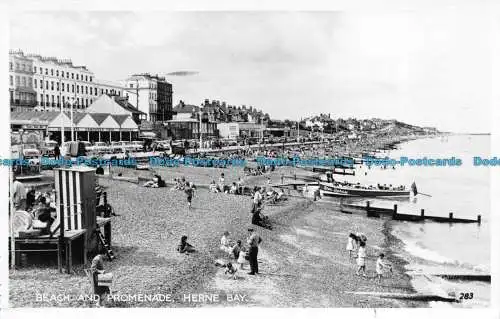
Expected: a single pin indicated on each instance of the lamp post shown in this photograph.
(298, 131)
(72, 124)
(201, 141)
(62, 126)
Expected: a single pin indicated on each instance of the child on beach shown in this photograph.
(236, 249)
(189, 190)
(184, 247)
(351, 244)
(242, 257)
(213, 187)
(381, 266)
(221, 182)
(361, 259)
(225, 244)
(231, 270)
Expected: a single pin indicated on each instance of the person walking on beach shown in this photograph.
(221, 183)
(189, 193)
(253, 242)
(351, 244)
(361, 259)
(257, 200)
(57, 152)
(380, 266)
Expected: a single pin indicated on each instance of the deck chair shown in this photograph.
(55, 226)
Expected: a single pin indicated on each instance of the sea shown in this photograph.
(432, 248)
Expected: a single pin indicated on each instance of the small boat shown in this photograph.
(353, 190)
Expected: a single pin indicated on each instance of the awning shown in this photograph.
(148, 134)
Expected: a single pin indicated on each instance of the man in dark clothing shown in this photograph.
(57, 152)
(253, 242)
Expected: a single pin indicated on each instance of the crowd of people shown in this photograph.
(40, 206)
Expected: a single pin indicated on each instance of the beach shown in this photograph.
(303, 261)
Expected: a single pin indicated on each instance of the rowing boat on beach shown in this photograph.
(352, 190)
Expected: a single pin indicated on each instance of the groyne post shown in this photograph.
(422, 214)
(479, 219)
(451, 217)
(105, 213)
(368, 208)
(395, 212)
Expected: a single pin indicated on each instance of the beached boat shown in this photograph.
(353, 190)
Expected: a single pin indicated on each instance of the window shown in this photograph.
(62, 73)
(57, 72)
(86, 90)
(77, 76)
(47, 99)
(52, 99)
(41, 98)
(35, 83)
(34, 69)
(46, 71)
(67, 75)
(58, 101)
(52, 72)
(106, 91)
(86, 79)
(72, 75)
(95, 91)
(11, 66)
(47, 85)
(11, 78)
(63, 102)
(62, 87)
(57, 86)
(17, 80)
(72, 88)
(90, 79)
(87, 102)
(77, 89)
(102, 91)
(52, 85)
(131, 86)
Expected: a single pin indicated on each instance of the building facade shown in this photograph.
(58, 82)
(22, 95)
(151, 94)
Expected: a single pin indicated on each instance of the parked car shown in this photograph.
(47, 148)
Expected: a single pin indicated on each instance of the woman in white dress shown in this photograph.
(351, 244)
(361, 261)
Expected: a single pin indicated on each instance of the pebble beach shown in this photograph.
(303, 261)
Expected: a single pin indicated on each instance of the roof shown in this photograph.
(105, 104)
(99, 117)
(120, 118)
(77, 116)
(34, 116)
(186, 108)
(123, 102)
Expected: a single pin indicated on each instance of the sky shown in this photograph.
(428, 67)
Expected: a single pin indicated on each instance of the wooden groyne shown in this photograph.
(372, 211)
(465, 277)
